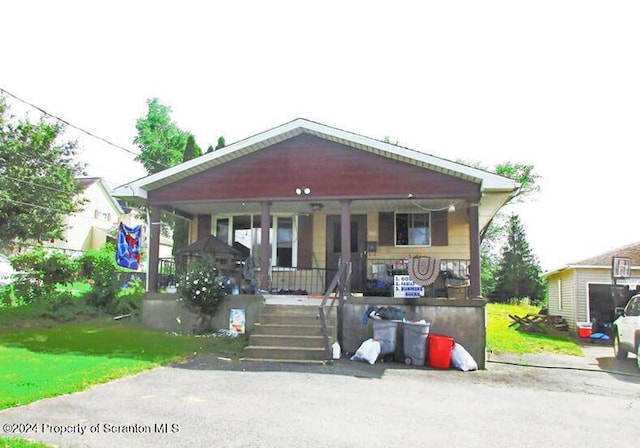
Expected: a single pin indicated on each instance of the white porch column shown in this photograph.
(474, 244)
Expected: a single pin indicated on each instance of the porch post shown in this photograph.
(265, 249)
(154, 247)
(345, 232)
(474, 244)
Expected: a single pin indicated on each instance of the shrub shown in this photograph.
(41, 273)
(100, 266)
(201, 288)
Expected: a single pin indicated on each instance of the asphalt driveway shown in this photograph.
(563, 401)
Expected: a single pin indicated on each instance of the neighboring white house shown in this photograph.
(583, 291)
(97, 222)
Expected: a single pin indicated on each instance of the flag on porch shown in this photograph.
(128, 250)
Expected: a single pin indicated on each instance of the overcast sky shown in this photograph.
(553, 83)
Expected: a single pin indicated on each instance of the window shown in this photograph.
(284, 242)
(244, 232)
(412, 229)
(104, 216)
(559, 294)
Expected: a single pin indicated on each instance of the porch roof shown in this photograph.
(489, 182)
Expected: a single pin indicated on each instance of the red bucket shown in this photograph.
(440, 348)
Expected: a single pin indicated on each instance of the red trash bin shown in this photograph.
(440, 348)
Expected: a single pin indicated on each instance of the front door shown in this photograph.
(358, 249)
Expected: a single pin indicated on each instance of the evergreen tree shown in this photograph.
(518, 272)
(221, 142)
(191, 150)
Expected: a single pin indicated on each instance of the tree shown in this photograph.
(518, 274)
(191, 150)
(492, 236)
(38, 185)
(161, 141)
(221, 143)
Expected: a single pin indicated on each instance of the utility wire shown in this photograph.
(51, 209)
(91, 134)
(32, 183)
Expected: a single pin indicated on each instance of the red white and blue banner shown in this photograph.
(128, 250)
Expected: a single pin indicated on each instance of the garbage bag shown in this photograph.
(335, 348)
(368, 351)
(461, 359)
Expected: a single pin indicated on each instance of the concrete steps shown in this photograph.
(289, 333)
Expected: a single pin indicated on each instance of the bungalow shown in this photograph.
(587, 291)
(299, 199)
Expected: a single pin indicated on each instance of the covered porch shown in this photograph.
(305, 242)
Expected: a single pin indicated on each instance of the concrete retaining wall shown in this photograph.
(165, 312)
(462, 319)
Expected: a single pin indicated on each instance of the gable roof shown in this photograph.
(87, 182)
(603, 260)
(488, 181)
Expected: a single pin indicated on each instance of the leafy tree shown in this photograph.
(38, 184)
(518, 274)
(221, 142)
(161, 141)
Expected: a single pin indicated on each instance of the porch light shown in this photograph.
(303, 190)
(452, 208)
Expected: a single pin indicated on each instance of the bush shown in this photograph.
(41, 273)
(201, 288)
(100, 266)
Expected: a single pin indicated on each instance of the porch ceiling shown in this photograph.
(329, 206)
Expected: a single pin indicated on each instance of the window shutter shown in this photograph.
(385, 229)
(305, 242)
(439, 228)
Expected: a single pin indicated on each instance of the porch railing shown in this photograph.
(337, 289)
(166, 273)
(380, 273)
(300, 281)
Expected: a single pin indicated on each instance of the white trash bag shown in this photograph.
(369, 351)
(336, 352)
(461, 359)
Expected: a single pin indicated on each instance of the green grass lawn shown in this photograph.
(46, 362)
(21, 443)
(502, 338)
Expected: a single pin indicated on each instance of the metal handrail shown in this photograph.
(341, 280)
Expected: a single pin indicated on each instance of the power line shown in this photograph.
(89, 133)
(32, 183)
(51, 209)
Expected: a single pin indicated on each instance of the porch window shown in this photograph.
(413, 229)
(244, 232)
(284, 242)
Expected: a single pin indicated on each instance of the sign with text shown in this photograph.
(405, 288)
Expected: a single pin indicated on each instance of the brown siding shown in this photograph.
(305, 242)
(329, 169)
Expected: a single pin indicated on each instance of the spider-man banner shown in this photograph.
(128, 250)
